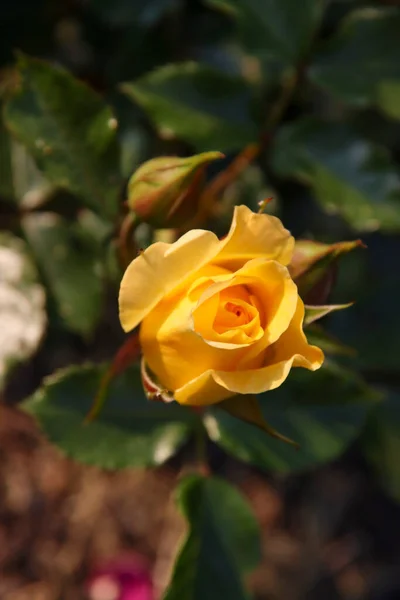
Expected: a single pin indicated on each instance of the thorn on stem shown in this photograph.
(262, 205)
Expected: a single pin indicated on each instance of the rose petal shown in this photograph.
(255, 235)
(158, 270)
(162, 267)
(178, 352)
(216, 332)
(202, 391)
(291, 350)
(293, 344)
(270, 282)
(175, 352)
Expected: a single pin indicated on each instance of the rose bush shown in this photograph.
(219, 317)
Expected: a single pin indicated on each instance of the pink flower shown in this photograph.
(124, 578)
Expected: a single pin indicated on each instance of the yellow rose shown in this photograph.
(219, 317)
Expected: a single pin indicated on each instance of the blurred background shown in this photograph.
(319, 83)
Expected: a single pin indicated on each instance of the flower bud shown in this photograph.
(165, 191)
(314, 267)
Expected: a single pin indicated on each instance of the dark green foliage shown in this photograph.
(361, 63)
(381, 443)
(68, 257)
(318, 83)
(70, 132)
(272, 29)
(222, 542)
(348, 175)
(323, 413)
(203, 107)
(130, 431)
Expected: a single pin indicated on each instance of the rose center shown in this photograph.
(231, 315)
(235, 310)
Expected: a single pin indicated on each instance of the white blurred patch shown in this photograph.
(22, 316)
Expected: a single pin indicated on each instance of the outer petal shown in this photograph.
(175, 352)
(293, 345)
(271, 284)
(255, 235)
(162, 267)
(202, 391)
(212, 386)
(158, 270)
(291, 350)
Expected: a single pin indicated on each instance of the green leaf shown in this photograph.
(69, 260)
(124, 12)
(274, 29)
(349, 175)
(314, 268)
(327, 342)
(247, 409)
(309, 254)
(362, 59)
(129, 432)
(322, 411)
(381, 443)
(222, 544)
(389, 98)
(373, 326)
(313, 313)
(22, 304)
(21, 183)
(205, 108)
(69, 131)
